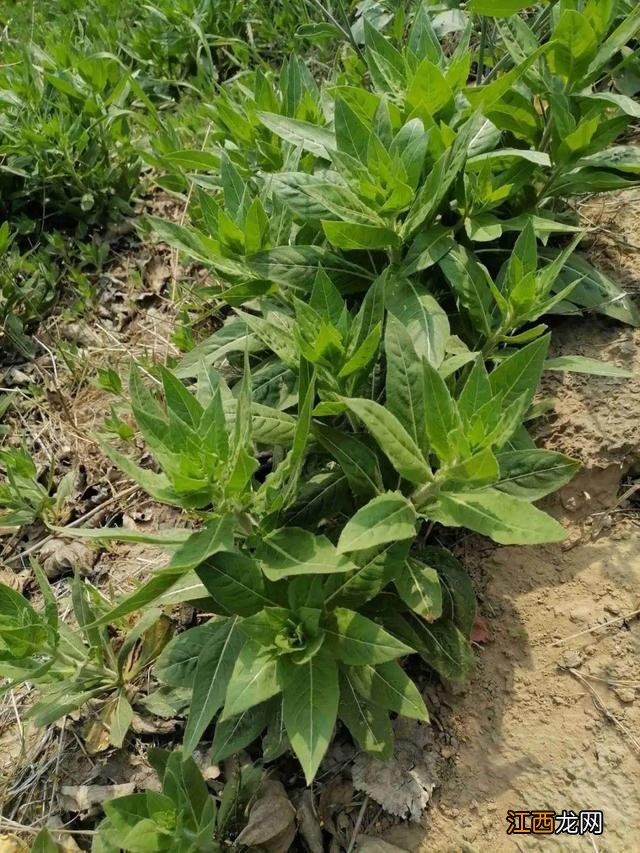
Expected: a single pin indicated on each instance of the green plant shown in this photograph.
(183, 815)
(385, 246)
(72, 667)
(23, 498)
(65, 135)
(388, 254)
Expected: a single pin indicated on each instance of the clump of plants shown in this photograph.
(389, 247)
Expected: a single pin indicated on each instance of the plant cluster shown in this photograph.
(388, 246)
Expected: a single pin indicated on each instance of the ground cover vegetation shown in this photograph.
(389, 230)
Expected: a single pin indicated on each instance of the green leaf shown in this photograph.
(388, 686)
(297, 267)
(238, 732)
(356, 640)
(352, 235)
(215, 665)
(469, 281)
(419, 587)
(592, 366)
(520, 373)
(235, 582)
(434, 190)
(458, 597)
(428, 247)
(293, 551)
(309, 707)
(505, 519)
(532, 474)
(573, 46)
(404, 381)
(443, 422)
(376, 567)
(443, 646)
(253, 680)
(369, 724)
(594, 290)
(310, 137)
(215, 536)
(316, 197)
(386, 518)
(44, 843)
(121, 719)
(352, 136)
(402, 451)
(177, 662)
(359, 462)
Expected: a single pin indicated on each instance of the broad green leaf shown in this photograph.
(442, 421)
(445, 171)
(592, 366)
(594, 290)
(400, 448)
(458, 597)
(293, 551)
(443, 646)
(352, 235)
(253, 680)
(359, 462)
(426, 249)
(520, 373)
(214, 669)
(311, 137)
(352, 136)
(177, 663)
(404, 380)
(194, 160)
(469, 281)
(505, 519)
(388, 686)
(297, 267)
(43, 842)
(425, 321)
(356, 640)
(316, 197)
(428, 92)
(419, 587)
(369, 724)
(310, 697)
(476, 391)
(376, 568)
(235, 582)
(215, 536)
(384, 61)
(532, 474)
(386, 518)
(573, 47)
(232, 735)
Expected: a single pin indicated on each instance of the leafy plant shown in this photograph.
(389, 245)
(23, 498)
(72, 667)
(183, 815)
(65, 135)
